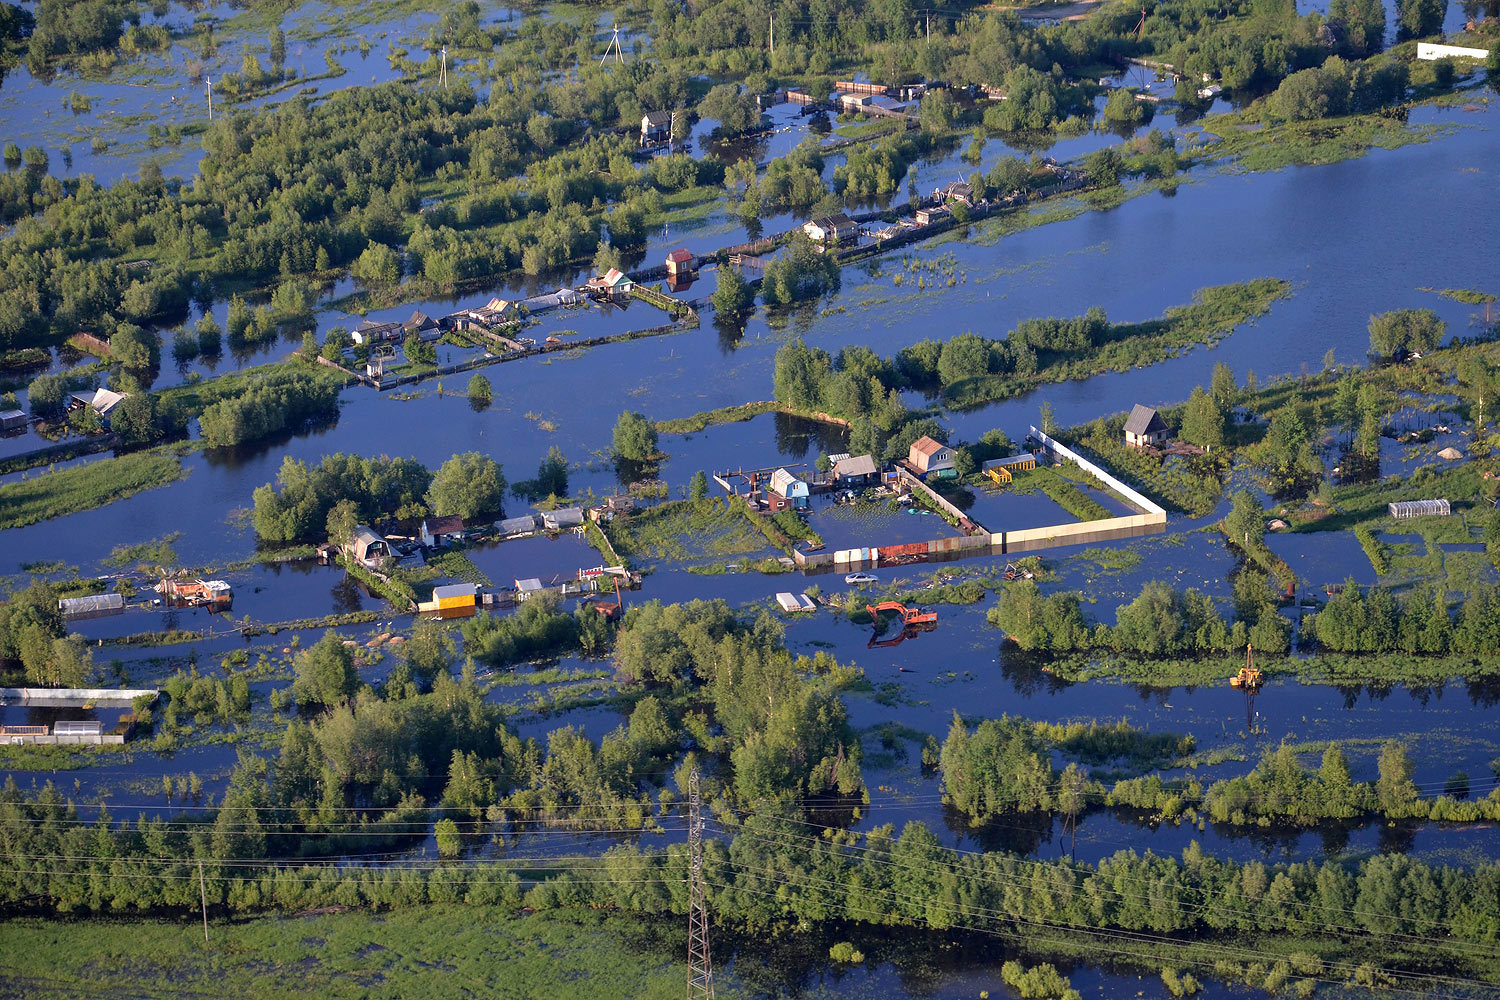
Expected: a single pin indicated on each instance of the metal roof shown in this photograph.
(90, 604)
(454, 590)
(859, 465)
(1144, 420)
(927, 446)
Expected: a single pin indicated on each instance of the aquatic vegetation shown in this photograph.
(84, 487)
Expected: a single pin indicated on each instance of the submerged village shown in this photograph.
(749, 500)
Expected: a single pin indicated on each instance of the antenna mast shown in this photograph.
(700, 979)
(614, 44)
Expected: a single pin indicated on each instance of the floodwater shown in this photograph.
(1353, 238)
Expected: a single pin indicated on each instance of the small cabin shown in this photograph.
(366, 547)
(12, 420)
(934, 213)
(787, 489)
(1145, 428)
(681, 262)
(612, 283)
(656, 126)
(855, 470)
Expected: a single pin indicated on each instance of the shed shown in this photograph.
(368, 548)
(831, 228)
(1003, 470)
(1145, 427)
(527, 588)
(91, 605)
(563, 517)
(440, 530)
(681, 261)
(888, 104)
(102, 401)
(419, 322)
(370, 332)
(656, 126)
(789, 488)
(929, 456)
(12, 420)
(455, 595)
(856, 469)
(852, 101)
(518, 525)
(935, 213)
(1448, 454)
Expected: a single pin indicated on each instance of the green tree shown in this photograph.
(1405, 331)
(735, 110)
(343, 518)
(470, 485)
(325, 672)
(698, 487)
(732, 296)
(1420, 18)
(449, 844)
(479, 389)
(635, 437)
(1202, 421)
(377, 265)
(552, 474)
(1245, 524)
(1394, 789)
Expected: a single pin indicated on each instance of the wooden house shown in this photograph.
(931, 457)
(656, 126)
(441, 530)
(12, 420)
(680, 262)
(1145, 428)
(612, 284)
(932, 213)
(367, 548)
(788, 489)
(831, 229)
(855, 470)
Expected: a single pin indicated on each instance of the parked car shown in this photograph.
(861, 578)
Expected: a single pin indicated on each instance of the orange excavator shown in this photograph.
(909, 616)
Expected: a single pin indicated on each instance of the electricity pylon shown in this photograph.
(700, 978)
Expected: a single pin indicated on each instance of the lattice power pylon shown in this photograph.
(700, 978)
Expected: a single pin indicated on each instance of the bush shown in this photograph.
(635, 437)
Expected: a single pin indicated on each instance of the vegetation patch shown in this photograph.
(84, 487)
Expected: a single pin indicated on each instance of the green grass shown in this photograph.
(157, 552)
(85, 487)
(685, 529)
(454, 563)
(433, 951)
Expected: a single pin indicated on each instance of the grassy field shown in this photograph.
(433, 951)
(685, 529)
(84, 487)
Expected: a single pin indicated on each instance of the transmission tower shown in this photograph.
(700, 978)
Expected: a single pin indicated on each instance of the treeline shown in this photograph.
(860, 386)
(268, 408)
(1373, 620)
(34, 640)
(538, 628)
(377, 487)
(772, 873)
(1159, 623)
(1005, 767)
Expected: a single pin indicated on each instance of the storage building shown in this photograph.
(518, 525)
(563, 517)
(12, 420)
(791, 490)
(856, 470)
(78, 727)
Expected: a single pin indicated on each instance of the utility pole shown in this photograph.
(444, 70)
(700, 978)
(773, 34)
(203, 894)
(210, 98)
(929, 27)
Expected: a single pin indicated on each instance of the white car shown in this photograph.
(861, 578)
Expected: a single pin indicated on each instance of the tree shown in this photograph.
(325, 672)
(606, 258)
(479, 389)
(1400, 332)
(133, 419)
(343, 518)
(47, 394)
(1222, 388)
(698, 487)
(278, 47)
(635, 437)
(734, 110)
(1202, 421)
(965, 356)
(1420, 18)
(1394, 789)
(1123, 109)
(1245, 523)
(732, 296)
(552, 474)
(470, 485)
(1104, 166)
(377, 265)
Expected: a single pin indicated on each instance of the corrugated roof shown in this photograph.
(782, 481)
(454, 590)
(91, 603)
(530, 583)
(1144, 420)
(860, 465)
(516, 525)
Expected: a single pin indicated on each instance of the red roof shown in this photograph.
(679, 256)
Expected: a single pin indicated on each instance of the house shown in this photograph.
(957, 191)
(375, 368)
(831, 229)
(563, 517)
(518, 525)
(909, 92)
(12, 420)
(366, 547)
(656, 126)
(855, 470)
(612, 283)
(1145, 428)
(860, 87)
(854, 102)
(423, 325)
(787, 489)
(101, 401)
(529, 587)
(936, 213)
(681, 262)
(441, 530)
(931, 458)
